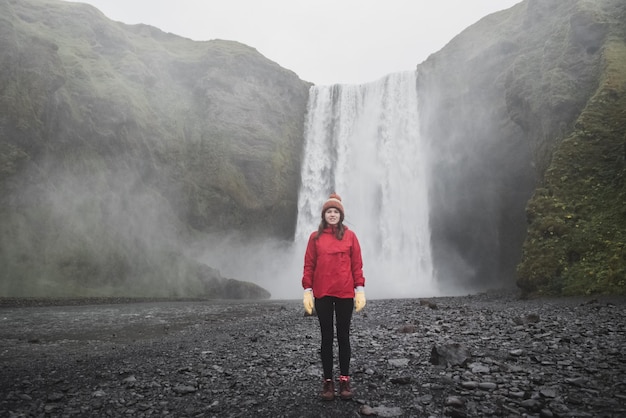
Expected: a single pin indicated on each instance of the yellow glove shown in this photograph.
(308, 301)
(359, 299)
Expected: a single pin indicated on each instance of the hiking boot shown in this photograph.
(344, 387)
(328, 391)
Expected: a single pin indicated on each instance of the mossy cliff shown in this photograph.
(576, 241)
(528, 106)
(118, 142)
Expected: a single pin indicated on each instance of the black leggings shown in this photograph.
(342, 308)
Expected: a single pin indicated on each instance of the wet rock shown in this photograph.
(487, 385)
(531, 318)
(381, 411)
(469, 384)
(55, 397)
(428, 303)
(452, 354)
(184, 389)
(402, 380)
(407, 329)
(454, 401)
(398, 362)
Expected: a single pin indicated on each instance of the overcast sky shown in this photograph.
(322, 41)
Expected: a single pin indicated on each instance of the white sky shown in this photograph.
(322, 41)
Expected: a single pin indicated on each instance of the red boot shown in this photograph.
(328, 391)
(344, 387)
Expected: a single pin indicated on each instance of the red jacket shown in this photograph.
(333, 267)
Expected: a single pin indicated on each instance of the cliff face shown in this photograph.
(576, 240)
(119, 144)
(501, 103)
(117, 140)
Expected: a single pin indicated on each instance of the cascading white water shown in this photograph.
(363, 142)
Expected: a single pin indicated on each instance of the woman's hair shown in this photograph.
(339, 231)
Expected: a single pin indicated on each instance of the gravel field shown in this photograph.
(473, 356)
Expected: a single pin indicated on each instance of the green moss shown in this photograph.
(576, 241)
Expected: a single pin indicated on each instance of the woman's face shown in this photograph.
(332, 216)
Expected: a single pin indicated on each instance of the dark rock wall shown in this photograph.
(496, 102)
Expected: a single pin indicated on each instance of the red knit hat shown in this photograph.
(334, 201)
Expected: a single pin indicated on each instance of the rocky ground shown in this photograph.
(497, 356)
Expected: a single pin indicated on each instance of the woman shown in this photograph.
(333, 282)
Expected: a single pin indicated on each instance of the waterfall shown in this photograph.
(363, 142)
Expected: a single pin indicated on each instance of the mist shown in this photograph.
(95, 226)
(363, 142)
(274, 264)
(429, 205)
(87, 230)
(99, 226)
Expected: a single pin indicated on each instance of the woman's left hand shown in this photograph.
(359, 300)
